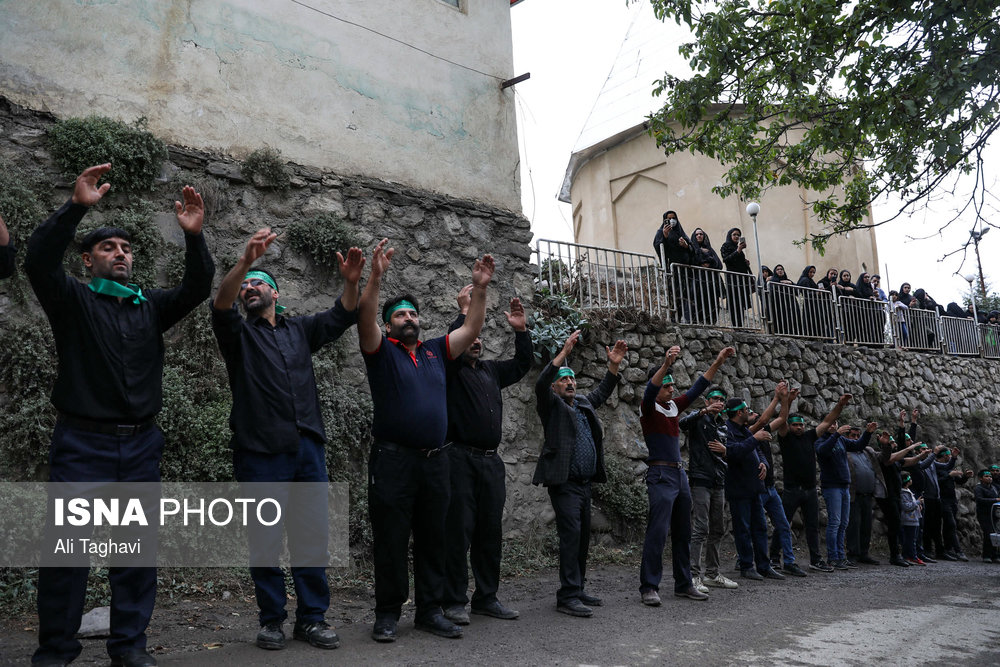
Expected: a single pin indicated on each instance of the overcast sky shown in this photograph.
(569, 47)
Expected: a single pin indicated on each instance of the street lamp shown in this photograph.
(971, 278)
(976, 238)
(753, 208)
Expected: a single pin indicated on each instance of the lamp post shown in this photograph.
(753, 208)
(970, 278)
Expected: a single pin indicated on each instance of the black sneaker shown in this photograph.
(691, 593)
(496, 610)
(820, 566)
(928, 559)
(961, 556)
(899, 562)
(384, 630)
(751, 573)
(590, 600)
(850, 563)
(574, 607)
(771, 573)
(839, 565)
(457, 615)
(437, 624)
(271, 637)
(792, 569)
(133, 659)
(319, 634)
(868, 560)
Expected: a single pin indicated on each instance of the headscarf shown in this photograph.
(675, 254)
(955, 310)
(734, 259)
(775, 279)
(805, 280)
(826, 282)
(703, 251)
(863, 290)
(760, 276)
(845, 285)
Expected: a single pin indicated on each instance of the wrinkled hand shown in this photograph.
(571, 342)
(516, 318)
(763, 471)
(464, 299)
(871, 427)
(350, 268)
(381, 259)
(258, 244)
(716, 447)
(86, 192)
(483, 270)
(617, 353)
(190, 214)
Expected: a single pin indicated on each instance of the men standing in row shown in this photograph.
(278, 433)
(409, 479)
(571, 460)
(867, 487)
(798, 456)
(478, 491)
(7, 251)
(666, 484)
(108, 391)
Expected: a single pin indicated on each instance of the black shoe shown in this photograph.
(751, 573)
(384, 630)
(574, 607)
(839, 565)
(868, 560)
(320, 634)
(51, 662)
(898, 561)
(945, 556)
(850, 563)
(928, 559)
(691, 593)
(820, 566)
(457, 615)
(271, 637)
(134, 659)
(437, 624)
(496, 610)
(961, 556)
(771, 573)
(793, 569)
(590, 600)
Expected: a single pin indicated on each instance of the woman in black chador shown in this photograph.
(707, 285)
(738, 287)
(815, 308)
(784, 310)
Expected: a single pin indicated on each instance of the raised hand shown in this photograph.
(515, 316)
(350, 268)
(381, 259)
(844, 430)
(781, 391)
(617, 353)
(845, 399)
(571, 342)
(464, 299)
(483, 270)
(190, 214)
(258, 244)
(672, 355)
(902, 417)
(871, 427)
(717, 447)
(762, 436)
(794, 393)
(86, 192)
(714, 408)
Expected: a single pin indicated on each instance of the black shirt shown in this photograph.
(798, 456)
(110, 351)
(475, 406)
(7, 260)
(271, 375)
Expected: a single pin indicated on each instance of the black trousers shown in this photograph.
(933, 543)
(891, 509)
(859, 528)
(793, 498)
(475, 514)
(408, 492)
(571, 502)
(949, 519)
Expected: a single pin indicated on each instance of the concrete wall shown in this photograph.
(620, 195)
(235, 75)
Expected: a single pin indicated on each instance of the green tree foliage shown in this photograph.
(134, 153)
(850, 99)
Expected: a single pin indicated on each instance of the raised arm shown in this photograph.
(560, 358)
(512, 370)
(668, 360)
(724, 353)
(369, 332)
(229, 288)
(780, 423)
(834, 414)
(780, 391)
(461, 338)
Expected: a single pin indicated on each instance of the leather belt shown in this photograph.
(426, 453)
(123, 430)
(474, 450)
(669, 464)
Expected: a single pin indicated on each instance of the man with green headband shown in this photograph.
(108, 391)
(7, 251)
(409, 474)
(986, 496)
(570, 462)
(277, 426)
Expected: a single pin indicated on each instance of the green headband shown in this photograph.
(712, 394)
(565, 372)
(737, 408)
(944, 452)
(796, 420)
(985, 473)
(668, 379)
(402, 304)
(260, 275)
(908, 436)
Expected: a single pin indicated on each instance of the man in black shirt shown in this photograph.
(277, 426)
(798, 456)
(108, 391)
(7, 251)
(475, 427)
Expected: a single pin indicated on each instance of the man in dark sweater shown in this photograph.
(666, 483)
(478, 492)
(571, 460)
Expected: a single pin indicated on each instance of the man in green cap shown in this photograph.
(277, 426)
(571, 460)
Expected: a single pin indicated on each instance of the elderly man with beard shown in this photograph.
(278, 433)
(108, 391)
(408, 475)
(478, 492)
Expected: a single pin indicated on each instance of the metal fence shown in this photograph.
(605, 278)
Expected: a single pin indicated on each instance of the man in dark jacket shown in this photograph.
(666, 483)
(572, 458)
(478, 492)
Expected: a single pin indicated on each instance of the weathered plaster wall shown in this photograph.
(234, 75)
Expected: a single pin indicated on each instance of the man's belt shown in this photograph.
(122, 430)
(473, 449)
(425, 453)
(669, 464)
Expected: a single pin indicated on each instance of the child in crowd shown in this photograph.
(986, 495)
(910, 518)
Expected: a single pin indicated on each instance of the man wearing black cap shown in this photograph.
(666, 483)
(572, 458)
(278, 433)
(475, 427)
(108, 391)
(408, 476)
(7, 251)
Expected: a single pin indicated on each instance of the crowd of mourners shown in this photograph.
(700, 291)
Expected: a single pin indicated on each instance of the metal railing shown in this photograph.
(604, 278)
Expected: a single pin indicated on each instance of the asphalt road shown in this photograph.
(944, 614)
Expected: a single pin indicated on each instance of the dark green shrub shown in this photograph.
(322, 237)
(555, 318)
(622, 498)
(135, 154)
(265, 169)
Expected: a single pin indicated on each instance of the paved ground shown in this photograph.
(944, 614)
